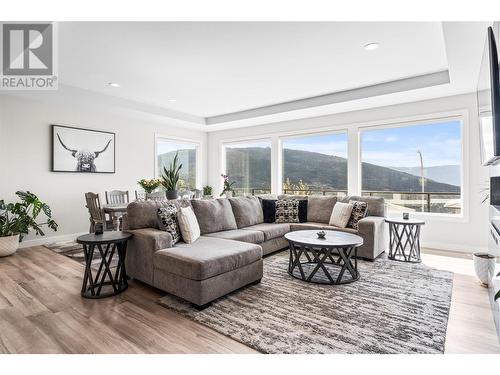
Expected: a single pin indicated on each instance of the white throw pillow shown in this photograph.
(341, 214)
(188, 224)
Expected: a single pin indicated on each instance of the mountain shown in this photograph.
(318, 171)
(448, 174)
(188, 160)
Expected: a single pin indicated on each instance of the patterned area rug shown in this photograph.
(394, 307)
(74, 251)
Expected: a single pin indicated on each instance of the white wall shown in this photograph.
(467, 234)
(25, 156)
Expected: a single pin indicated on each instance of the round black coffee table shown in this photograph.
(333, 255)
(103, 282)
(404, 239)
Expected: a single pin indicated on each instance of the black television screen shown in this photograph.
(488, 99)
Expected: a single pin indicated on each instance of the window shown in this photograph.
(166, 149)
(315, 164)
(248, 164)
(416, 168)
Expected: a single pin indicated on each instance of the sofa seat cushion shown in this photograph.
(206, 257)
(310, 225)
(271, 230)
(252, 236)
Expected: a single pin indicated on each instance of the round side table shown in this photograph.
(404, 239)
(103, 282)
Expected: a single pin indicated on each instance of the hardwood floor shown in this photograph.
(41, 311)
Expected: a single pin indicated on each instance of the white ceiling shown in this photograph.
(216, 68)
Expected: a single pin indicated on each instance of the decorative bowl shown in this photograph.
(321, 234)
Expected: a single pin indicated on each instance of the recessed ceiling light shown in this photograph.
(172, 100)
(372, 46)
(113, 84)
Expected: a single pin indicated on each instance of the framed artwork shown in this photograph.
(82, 150)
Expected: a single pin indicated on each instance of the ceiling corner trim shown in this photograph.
(391, 87)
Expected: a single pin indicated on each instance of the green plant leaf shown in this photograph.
(497, 295)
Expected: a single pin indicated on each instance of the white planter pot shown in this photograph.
(484, 265)
(8, 245)
(229, 194)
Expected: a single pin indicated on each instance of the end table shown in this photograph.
(404, 239)
(103, 282)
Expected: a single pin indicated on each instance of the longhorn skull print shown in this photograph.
(85, 158)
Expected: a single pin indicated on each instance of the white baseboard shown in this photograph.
(52, 239)
(469, 249)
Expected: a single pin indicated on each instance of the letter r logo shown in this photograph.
(27, 49)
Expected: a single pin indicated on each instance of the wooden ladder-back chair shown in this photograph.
(97, 215)
(117, 197)
(156, 196)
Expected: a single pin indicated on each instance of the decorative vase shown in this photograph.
(484, 265)
(172, 194)
(229, 194)
(207, 196)
(8, 245)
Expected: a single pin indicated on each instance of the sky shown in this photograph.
(167, 146)
(329, 144)
(395, 147)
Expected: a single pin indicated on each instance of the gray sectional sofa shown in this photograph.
(234, 237)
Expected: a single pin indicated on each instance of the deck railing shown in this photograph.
(442, 202)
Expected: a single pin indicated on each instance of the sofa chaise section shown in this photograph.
(207, 269)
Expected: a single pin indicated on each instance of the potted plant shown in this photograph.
(227, 187)
(207, 191)
(484, 265)
(16, 220)
(149, 185)
(170, 178)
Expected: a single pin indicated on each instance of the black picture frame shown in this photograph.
(53, 130)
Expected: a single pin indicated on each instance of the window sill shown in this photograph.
(429, 216)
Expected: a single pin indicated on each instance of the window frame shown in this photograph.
(461, 117)
(353, 130)
(224, 143)
(301, 134)
(197, 144)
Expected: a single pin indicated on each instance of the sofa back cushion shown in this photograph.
(214, 215)
(144, 214)
(319, 208)
(376, 205)
(291, 196)
(247, 211)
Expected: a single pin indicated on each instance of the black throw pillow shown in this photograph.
(269, 210)
(302, 210)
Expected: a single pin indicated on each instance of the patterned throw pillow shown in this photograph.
(167, 217)
(287, 211)
(358, 212)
